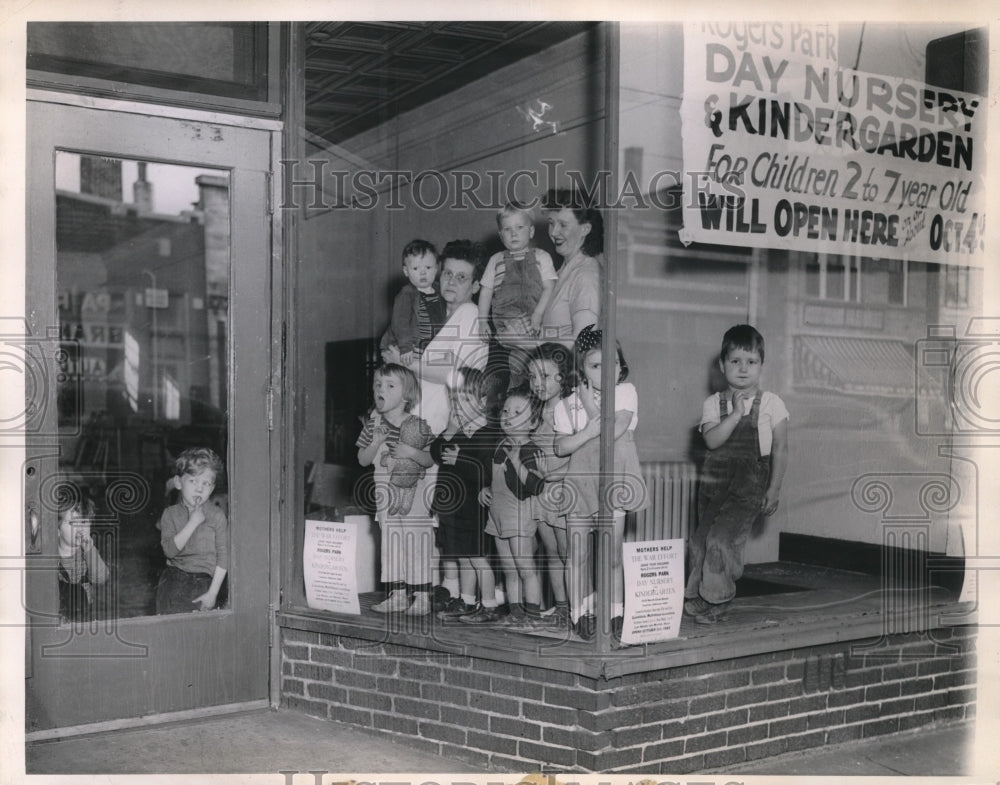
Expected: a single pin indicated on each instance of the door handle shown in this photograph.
(31, 522)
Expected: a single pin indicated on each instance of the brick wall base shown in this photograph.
(507, 717)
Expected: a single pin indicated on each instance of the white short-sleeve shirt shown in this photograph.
(772, 411)
(570, 417)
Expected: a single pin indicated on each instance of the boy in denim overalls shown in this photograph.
(746, 432)
(516, 288)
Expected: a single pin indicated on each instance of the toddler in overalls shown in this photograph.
(746, 432)
(516, 288)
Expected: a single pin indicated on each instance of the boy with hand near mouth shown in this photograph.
(194, 535)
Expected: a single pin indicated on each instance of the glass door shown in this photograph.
(146, 481)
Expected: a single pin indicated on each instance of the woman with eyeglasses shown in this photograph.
(459, 343)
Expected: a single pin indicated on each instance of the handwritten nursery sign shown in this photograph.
(784, 148)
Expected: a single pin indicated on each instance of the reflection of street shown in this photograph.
(143, 301)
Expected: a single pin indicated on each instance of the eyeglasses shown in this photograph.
(459, 278)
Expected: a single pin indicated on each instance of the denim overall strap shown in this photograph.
(518, 291)
(744, 439)
(733, 483)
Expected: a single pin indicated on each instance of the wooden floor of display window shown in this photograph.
(779, 606)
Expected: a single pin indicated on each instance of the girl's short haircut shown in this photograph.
(419, 248)
(515, 208)
(406, 377)
(582, 207)
(467, 251)
(523, 391)
(742, 336)
(590, 339)
(70, 497)
(471, 381)
(194, 460)
(562, 358)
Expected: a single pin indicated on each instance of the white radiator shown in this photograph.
(672, 488)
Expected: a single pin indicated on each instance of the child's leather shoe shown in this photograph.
(396, 602)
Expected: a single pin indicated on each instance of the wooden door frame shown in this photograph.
(247, 407)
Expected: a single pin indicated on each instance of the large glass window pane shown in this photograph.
(143, 270)
(409, 147)
(842, 330)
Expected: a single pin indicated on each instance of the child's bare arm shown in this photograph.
(718, 434)
(366, 455)
(569, 443)
(486, 284)
(779, 462)
(485, 301)
(207, 600)
(623, 419)
(530, 475)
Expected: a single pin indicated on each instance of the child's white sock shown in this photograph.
(451, 584)
(469, 599)
(586, 606)
(617, 609)
(500, 595)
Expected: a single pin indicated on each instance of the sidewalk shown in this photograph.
(254, 742)
(273, 741)
(931, 752)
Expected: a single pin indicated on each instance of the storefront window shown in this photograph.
(723, 211)
(416, 148)
(842, 324)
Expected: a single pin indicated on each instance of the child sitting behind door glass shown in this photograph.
(81, 568)
(746, 432)
(194, 535)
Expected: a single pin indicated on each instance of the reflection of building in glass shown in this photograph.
(841, 338)
(143, 302)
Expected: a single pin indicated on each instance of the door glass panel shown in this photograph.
(143, 272)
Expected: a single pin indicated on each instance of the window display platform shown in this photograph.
(808, 656)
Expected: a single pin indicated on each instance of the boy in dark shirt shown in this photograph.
(464, 452)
